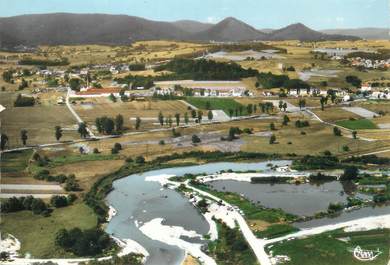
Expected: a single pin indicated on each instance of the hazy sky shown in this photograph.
(318, 14)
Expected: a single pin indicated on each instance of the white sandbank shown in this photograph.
(111, 213)
(362, 224)
(170, 235)
(248, 176)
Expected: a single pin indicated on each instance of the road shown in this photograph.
(74, 113)
(255, 244)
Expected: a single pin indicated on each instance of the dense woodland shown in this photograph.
(206, 70)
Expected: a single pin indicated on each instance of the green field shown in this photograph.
(276, 230)
(224, 104)
(357, 124)
(334, 248)
(37, 233)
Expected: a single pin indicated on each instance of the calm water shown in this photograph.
(346, 216)
(137, 199)
(303, 199)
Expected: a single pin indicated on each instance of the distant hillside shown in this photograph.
(62, 28)
(230, 29)
(301, 32)
(192, 26)
(67, 29)
(364, 33)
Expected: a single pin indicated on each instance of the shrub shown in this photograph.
(140, 160)
(195, 139)
(24, 101)
(59, 201)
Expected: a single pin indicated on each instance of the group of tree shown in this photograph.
(42, 62)
(353, 80)
(24, 101)
(136, 81)
(106, 125)
(205, 70)
(270, 80)
(75, 84)
(282, 105)
(90, 242)
(82, 130)
(137, 67)
(301, 124)
(23, 84)
(59, 201)
(36, 205)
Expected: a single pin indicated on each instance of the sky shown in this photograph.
(318, 14)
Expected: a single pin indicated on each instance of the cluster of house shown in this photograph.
(375, 92)
(370, 64)
(204, 91)
(91, 92)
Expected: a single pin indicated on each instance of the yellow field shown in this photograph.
(333, 114)
(149, 110)
(39, 121)
(318, 138)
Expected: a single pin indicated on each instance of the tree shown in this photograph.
(208, 105)
(23, 136)
(7, 76)
(200, 114)
(249, 109)
(4, 256)
(112, 97)
(161, 118)
(322, 101)
(82, 130)
(195, 139)
(4, 141)
(186, 120)
(302, 103)
(353, 80)
(140, 160)
(38, 206)
(272, 126)
(119, 123)
(272, 139)
(71, 183)
(280, 105)
(350, 173)
(286, 119)
(58, 132)
(354, 134)
(240, 109)
(137, 123)
(336, 131)
(169, 121)
(23, 84)
(284, 106)
(210, 115)
(193, 114)
(75, 84)
(231, 111)
(177, 117)
(59, 201)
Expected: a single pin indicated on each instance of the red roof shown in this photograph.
(97, 91)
